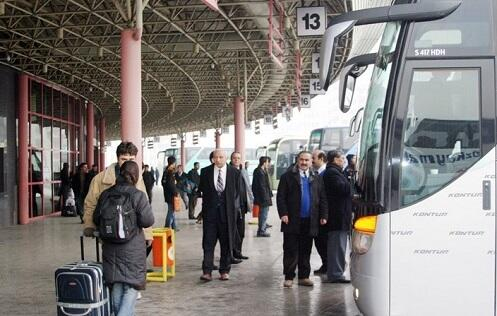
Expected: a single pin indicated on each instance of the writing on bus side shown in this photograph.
(440, 159)
(429, 52)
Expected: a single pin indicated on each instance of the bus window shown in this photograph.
(468, 30)
(315, 140)
(190, 153)
(441, 135)
(369, 160)
(332, 139)
(271, 153)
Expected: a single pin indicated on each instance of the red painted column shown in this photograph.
(217, 135)
(90, 127)
(81, 148)
(239, 113)
(23, 132)
(101, 166)
(131, 91)
(183, 154)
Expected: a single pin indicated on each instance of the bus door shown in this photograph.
(442, 238)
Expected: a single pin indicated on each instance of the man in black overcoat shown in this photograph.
(219, 185)
(340, 220)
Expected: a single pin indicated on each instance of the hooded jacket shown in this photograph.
(101, 182)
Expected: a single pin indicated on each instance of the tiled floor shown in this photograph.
(30, 254)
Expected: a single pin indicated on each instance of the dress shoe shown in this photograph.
(269, 226)
(224, 277)
(321, 270)
(306, 282)
(240, 256)
(288, 283)
(206, 277)
(264, 234)
(344, 281)
(235, 260)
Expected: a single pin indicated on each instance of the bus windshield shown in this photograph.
(369, 162)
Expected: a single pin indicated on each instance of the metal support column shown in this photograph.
(239, 113)
(183, 153)
(23, 132)
(217, 135)
(90, 127)
(101, 166)
(131, 90)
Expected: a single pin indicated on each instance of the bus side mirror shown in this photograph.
(348, 77)
(354, 68)
(347, 92)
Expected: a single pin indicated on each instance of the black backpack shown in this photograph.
(115, 217)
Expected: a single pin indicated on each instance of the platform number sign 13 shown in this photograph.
(315, 87)
(311, 21)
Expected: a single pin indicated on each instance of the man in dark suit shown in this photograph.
(302, 206)
(340, 219)
(194, 177)
(219, 185)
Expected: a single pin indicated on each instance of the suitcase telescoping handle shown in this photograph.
(97, 247)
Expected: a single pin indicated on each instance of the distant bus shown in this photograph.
(282, 152)
(330, 138)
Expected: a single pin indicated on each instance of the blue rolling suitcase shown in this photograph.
(80, 288)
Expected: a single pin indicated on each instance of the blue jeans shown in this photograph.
(123, 299)
(262, 219)
(170, 218)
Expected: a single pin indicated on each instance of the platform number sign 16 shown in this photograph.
(311, 21)
(305, 101)
(315, 87)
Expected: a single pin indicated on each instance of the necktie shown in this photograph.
(219, 184)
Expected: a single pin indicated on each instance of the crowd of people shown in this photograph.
(313, 200)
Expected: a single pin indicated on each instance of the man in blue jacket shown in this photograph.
(302, 207)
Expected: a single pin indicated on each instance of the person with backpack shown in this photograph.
(121, 214)
(105, 179)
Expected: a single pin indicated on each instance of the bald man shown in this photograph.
(220, 187)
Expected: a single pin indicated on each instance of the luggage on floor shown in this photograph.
(80, 288)
(69, 210)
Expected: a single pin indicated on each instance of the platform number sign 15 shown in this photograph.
(315, 87)
(311, 21)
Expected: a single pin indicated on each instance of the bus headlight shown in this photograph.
(362, 238)
(361, 242)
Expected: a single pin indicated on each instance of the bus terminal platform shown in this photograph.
(31, 253)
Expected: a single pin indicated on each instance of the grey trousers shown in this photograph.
(337, 249)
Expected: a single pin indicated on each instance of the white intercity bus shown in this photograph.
(424, 235)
